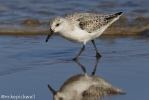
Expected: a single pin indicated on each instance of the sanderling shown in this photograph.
(82, 27)
(85, 87)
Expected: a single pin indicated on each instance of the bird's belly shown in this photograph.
(79, 85)
(70, 38)
(98, 32)
(95, 35)
(76, 37)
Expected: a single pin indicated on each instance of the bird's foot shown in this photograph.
(98, 55)
(75, 59)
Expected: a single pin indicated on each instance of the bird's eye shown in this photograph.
(61, 98)
(57, 24)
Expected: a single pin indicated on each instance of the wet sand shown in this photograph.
(28, 64)
(139, 26)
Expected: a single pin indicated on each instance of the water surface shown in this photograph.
(28, 64)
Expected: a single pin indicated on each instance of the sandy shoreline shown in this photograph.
(123, 26)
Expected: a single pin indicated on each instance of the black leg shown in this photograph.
(97, 53)
(82, 49)
(93, 73)
(83, 68)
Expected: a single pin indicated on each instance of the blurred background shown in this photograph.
(16, 11)
(17, 14)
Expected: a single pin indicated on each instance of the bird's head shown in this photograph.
(56, 26)
(57, 95)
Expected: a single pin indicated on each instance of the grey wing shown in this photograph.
(93, 22)
(73, 18)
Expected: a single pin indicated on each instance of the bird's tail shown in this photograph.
(119, 14)
(113, 16)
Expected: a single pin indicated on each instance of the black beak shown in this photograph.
(49, 35)
(53, 92)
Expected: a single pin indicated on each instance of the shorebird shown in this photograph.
(82, 27)
(85, 87)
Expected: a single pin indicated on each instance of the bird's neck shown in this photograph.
(66, 29)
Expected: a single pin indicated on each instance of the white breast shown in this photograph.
(77, 35)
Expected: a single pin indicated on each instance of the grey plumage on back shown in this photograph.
(90, 21)
(76, 16)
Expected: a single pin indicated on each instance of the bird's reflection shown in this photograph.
(85, 87)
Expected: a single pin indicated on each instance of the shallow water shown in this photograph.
(16, 11)
(28, 64)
